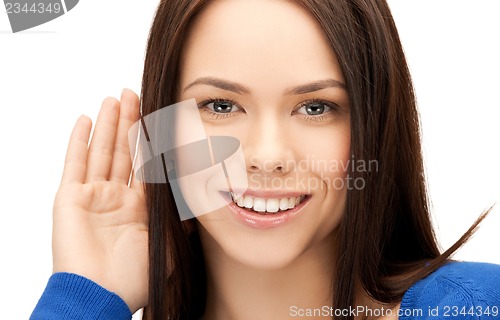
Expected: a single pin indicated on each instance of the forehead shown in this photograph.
(258, 39)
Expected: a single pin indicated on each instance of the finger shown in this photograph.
(75, 165)
(129, 114)
(100, 152)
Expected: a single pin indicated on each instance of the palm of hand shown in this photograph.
(100, 223)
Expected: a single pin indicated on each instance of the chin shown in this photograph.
(305, 235)
(273, 250)
(269, 258)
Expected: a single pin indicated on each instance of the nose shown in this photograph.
(267, 149)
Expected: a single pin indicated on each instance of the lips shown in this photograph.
(264, 205)
(267, 210)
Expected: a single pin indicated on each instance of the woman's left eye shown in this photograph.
(314, 108)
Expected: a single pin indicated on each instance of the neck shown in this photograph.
(240, 292)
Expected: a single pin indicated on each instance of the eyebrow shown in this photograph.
(316, 86)
(241, 89)
(219, 83)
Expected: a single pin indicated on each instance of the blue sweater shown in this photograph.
(458, 290)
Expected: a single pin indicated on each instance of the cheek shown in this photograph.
(325, 149)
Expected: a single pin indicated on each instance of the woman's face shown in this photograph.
(263, 72)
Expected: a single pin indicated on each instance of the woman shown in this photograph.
(334, 221)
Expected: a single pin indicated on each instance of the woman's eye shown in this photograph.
(222, 107)
(314, 109)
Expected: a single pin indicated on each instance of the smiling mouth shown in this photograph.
(267, 206)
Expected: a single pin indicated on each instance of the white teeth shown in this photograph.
(248, 202)
(284, 204)
(259, 204)
(267, 205)
(240, 202)
(273, 205)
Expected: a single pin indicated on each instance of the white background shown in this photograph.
(51, 74)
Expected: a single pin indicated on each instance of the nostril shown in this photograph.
(279, 169)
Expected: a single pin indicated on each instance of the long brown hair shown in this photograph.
(386, 241)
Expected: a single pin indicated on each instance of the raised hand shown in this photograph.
(100, 222)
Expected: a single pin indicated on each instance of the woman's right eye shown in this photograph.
(222, 106)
